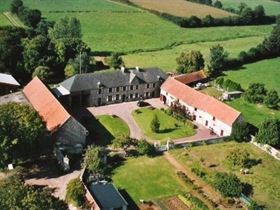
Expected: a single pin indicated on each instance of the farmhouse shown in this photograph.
(203, 109)
(8, 84)
(97, 89)
(66, 130)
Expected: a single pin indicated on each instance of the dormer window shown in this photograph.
(214, 118)
(110, 90)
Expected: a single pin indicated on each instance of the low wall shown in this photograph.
(267, 148)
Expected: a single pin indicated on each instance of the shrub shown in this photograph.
(228, 184)
(240, 131)
(196, 203)
(237, 157)
(269, 132)
(271, 100)
(155, 125)
(255, 93)
(121, 141)
(198, 171)
(43, 72)
(75, 192)
(145, 148)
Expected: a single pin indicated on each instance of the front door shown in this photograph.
(123, 98)
(222, 133)
(99, 101)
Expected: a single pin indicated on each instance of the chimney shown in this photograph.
(137, 68)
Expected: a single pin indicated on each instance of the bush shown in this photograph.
(228, 184)
(255, 93)
(240, 131)
(238, 157)
(121, 142)
(271, 100)
(269, 132)
(155, 125)
(196, 203)
(43, 72)
(75, 192)
(145, 148)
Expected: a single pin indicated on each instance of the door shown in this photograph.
(194, 117)
(99, 101)
(222, 133)
(206, 123)
(123, 98)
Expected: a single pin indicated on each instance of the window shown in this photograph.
(136, 95)
(214, 118)
(148, 85)
(110, 90)
(109, 98)
(154, 85)
(147, 94)
(131, 96)
(131, 87)
(195, 109)
(136, 87)
(124, 88)
(117, 97)
(99, 91)
(117, 89)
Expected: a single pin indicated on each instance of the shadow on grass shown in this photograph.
(167, 130)
(131, 204)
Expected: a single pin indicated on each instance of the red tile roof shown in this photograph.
(47, 106)
(191, 77)
(201, 101)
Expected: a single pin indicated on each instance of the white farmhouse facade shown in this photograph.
(205, 110)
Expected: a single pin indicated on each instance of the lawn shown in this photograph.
(181, 8)
(264, 177)
(166, 59)
(4, 21)
(271, 7)
(105, 128)
(254, 113)
(265, 71)
(212, 91)
(170, 128)
(147, 178)
(111, 26)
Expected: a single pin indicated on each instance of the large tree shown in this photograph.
(218, 57)
(93, 160)
(16, 6)
(272, 100)
(240, 131)
(115, 61)
(255, 93)
(20, 128)
(269, 132)
(190, 62)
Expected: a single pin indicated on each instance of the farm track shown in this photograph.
(13, 19)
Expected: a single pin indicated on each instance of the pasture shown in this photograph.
(111, 26)
(264, 176)
(181, 8)
(4, 21)
(271, 7)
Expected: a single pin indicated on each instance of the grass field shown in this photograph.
(271, 7)
(147, 178)
(181, 8)
(166, 59)
(254, 113)
(266, 72)
(105, 128)
(264, 177)
(110, 26)
(4, 21)
(169, 126)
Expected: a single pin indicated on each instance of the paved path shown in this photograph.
(124, 110)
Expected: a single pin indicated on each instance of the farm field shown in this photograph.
(271, 7)
(169, 126)
(181, 8)
(264, 177)
(147, 178)
(265, 71)
(166, 59)
(254, 113)
(105, 26)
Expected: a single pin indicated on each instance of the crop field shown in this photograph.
(111, 26)
(166, 59)
(271, 7)
(4, 21)
(181, 8)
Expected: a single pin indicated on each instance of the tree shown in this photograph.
(272, 100)
(269, 132)
(218, 4)
(15, 6)
(190, 62)
(144, 148)
(75, 192)
(155, 124)
(115, 61)
(93, 160)
(69, 71)
(20, 130)
(228, 184)
(218, 57)
(80, 62)
(259, 13)
(14, 194)
(43, 72)
(255, 93)
(240, 131)
(272, 43)
(238, 157)
(121, 141)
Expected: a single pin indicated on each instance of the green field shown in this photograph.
(264, 177)
(4, 21)
(271, 7)
(254, 113)
(147, 178)
(110, 26)
(166, 59)
(169, 126)
(266, 72)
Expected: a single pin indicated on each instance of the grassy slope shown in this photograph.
(181, 8)
(110, 26)
(166, 59)
(4, 21)
(147, 178)
(264, 177)
(271, 7)
(254, 113)
(167, 125)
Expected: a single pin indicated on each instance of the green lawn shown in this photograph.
(266, 72)
(166, 59)
(271, 7)
(147, 178)
(169, 126)
(4, 21)
(110, 26)
(254, 113)
(264, 177)
(105, 128)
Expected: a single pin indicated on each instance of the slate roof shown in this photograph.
(118, 78)
(8, 79)
(201, 101)
(191, 77)
(107, 196)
